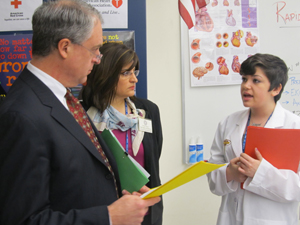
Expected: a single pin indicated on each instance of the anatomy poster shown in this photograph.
(224, 34)
(16, 14)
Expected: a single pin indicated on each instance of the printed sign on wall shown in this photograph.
(17, 14)
(114, 12)
(15, 52)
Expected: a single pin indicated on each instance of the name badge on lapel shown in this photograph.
(145, 125)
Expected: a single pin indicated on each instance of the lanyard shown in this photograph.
(245, 135)
(126, 112)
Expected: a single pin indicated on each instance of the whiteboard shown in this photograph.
(204, 107)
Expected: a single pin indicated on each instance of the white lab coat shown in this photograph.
(269, 198)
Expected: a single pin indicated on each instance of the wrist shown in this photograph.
(228, 174)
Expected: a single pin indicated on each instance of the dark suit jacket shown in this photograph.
(2, 94)
(50, 172)
(152, 143)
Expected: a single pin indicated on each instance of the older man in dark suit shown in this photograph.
(54, 167)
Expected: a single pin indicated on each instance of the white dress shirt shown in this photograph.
(55, 86)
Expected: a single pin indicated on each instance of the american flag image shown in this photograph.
(187, 10)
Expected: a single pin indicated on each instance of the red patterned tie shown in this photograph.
(80, 116)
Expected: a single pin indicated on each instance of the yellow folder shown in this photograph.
(191, 173)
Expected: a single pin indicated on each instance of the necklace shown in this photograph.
(256, 124)
(253, 124)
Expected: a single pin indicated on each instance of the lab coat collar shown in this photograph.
(277, 118)
(237, 134)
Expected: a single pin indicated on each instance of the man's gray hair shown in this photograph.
(56, 20)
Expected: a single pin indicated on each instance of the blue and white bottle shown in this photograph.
(192, 151)
(199, 150)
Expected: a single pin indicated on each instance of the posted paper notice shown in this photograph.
(16, 15)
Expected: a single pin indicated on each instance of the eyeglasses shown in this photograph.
(97, 56)
(129, 73)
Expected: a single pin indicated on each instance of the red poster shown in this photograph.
(15, 52)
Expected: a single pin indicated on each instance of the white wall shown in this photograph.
(192, 203)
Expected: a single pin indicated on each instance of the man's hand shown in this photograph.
(130, 209)
(143, 190)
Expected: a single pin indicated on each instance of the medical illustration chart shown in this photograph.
(225, 33)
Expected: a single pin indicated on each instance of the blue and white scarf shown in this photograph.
(113, 119)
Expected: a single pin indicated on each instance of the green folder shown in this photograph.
(131, 177)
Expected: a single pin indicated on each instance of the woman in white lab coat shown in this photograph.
(269, 196)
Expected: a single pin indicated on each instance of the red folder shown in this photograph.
(280, 147)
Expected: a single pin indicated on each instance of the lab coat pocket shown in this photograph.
(227, 215)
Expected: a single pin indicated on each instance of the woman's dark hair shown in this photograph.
(274, 68)
(100, 88)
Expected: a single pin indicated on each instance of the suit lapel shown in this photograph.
(59, 112)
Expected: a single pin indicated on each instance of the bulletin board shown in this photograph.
(204, 107)
(136, 23)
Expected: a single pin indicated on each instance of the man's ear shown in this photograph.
(277, 90)
(63, 47)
